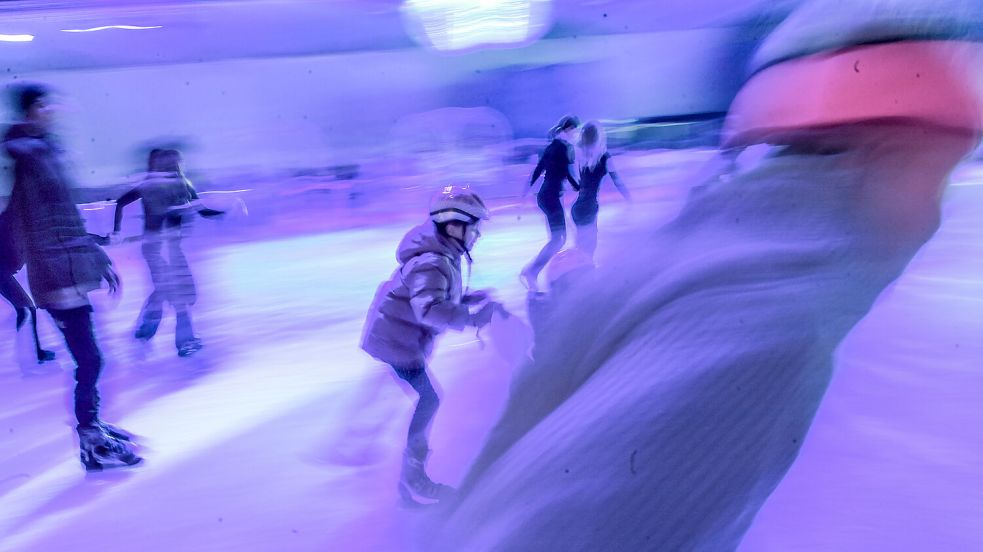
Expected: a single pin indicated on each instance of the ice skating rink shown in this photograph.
(280, 435)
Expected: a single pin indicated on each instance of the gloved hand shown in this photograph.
(483, 316)
(477, 297)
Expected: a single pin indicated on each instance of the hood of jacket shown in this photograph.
(425, 239)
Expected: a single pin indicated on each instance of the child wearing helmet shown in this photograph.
(423, 298)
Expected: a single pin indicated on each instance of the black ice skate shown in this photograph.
(415, 486)
(149, 322)
(189, 347)
(115, 432)
(101, 451)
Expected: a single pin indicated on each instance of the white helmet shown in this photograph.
(457, 203)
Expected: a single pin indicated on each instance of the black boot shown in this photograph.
(415, 486)
(189, 347)
(100, 451)
(149, 322)
(43, 355)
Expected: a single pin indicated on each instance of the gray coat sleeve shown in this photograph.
(429, 290)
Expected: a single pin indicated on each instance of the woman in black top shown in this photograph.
(168, 199)
(556, 163)
(595, 164)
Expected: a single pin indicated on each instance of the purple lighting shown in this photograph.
(491, 275)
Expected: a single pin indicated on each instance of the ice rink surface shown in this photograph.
(281, 435)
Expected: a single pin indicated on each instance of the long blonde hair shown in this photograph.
(593, 144)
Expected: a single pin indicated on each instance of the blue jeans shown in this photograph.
(415, 374)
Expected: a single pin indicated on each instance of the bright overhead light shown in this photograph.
(463, 25)
(16, 38)
(124, 27)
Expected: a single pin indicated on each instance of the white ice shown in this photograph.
(282, 436)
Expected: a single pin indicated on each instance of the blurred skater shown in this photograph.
(63, 265)
(425, 297)
(595, 163)
(556, 165)
(169, 201)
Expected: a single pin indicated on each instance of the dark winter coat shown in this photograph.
(419, 301)
(62, 259)
(555, 162)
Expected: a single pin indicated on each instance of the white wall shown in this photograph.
(262, 115)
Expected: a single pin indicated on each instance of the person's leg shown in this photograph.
(76, 325)
(182, 289)
(184, 336)
(556, 222)
(150, 316)
(413, 477)
(43, 355)
(12, 291)
(587, 237)
(426, 407)
(153, 309)
(102, 446)
(181, 294)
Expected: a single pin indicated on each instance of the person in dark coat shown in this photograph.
(63, 264)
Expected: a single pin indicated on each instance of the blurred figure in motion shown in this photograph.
(169, 200)
(423, 298)
(664, 407)
(11, 261)
(556, 164)
(595, 163)
(63, 265)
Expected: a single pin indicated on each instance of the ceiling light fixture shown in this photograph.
(16, 37)
(465, 25)
(123, 27)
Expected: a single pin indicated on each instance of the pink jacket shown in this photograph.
(419, 301)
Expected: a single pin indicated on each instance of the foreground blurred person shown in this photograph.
(424, 297)
(667, 423)
(169, 201)
(63, 265)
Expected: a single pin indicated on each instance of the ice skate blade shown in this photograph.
(98, 467)
(410, 501)
(189, 349)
